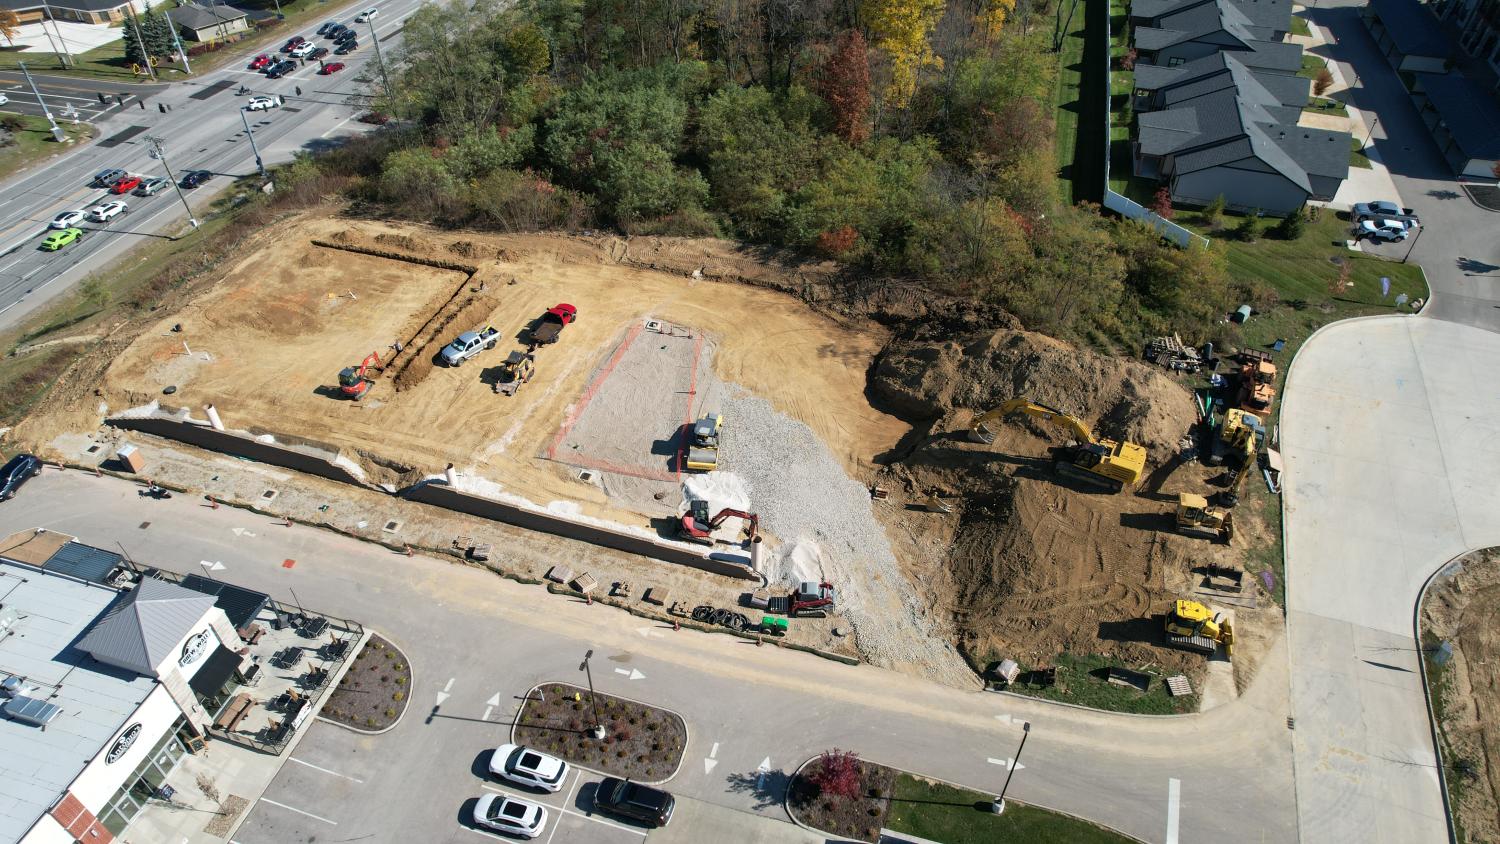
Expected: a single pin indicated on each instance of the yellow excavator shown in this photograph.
(1194, 627)
(1101, 462)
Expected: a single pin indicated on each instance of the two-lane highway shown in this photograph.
(200, 122)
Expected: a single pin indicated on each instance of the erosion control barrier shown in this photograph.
(302, 457)
(448, 498)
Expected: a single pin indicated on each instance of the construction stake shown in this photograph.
(676, 625)
(97, 473)
(408, 551)
(211, 502)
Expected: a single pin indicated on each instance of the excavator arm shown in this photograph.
(981, 430)
(750, 518)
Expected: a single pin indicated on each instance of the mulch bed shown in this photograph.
(643, 743)
(860, 818)
(375, 689)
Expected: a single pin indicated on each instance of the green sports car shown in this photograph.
(59, 239)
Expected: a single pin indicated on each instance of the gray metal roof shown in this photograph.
(145, 624)
(96, 700)
(84, 561)
(241, 605)
(1471, 112)
(1272, 55)
(1271, 14)
(1412, 27)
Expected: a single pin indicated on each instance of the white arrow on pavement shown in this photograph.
(442, 696)
(650, 632)
(242, 532)
(633, 673)
(1006, 763)
(763, 769)
(494, 700)
(710, 762)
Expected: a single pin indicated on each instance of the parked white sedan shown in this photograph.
(507, 814)
(263, 103)
(108, 211)
(525, 766)
(68, 219)
(1381, 229)
(367, 14)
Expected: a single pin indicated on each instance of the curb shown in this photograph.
(687, 733)
(406, 702)
(787, 800)
(1432, 722)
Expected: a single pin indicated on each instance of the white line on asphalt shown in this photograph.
(486, 715)
(484, 832)
(338, 126)
(298, 811)
(1174, 797)
(325, 770)
(449, 687)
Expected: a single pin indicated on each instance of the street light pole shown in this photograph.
(1370, 134)
(599, 732)
(57, 133)
(1413, 243)
(998, 807)
(172, 27)
(161, 156)
(258, 163)
(375, 36)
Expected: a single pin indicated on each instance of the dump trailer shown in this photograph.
(811, 600)
(1194, 627)
(703, 443)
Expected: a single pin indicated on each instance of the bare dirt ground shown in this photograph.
(1024, 566)
(1461, 608)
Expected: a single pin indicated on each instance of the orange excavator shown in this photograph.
(697, 527)
(353, 382)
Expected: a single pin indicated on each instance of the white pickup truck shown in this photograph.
(469, 344)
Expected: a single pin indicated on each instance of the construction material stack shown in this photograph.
(1171, 353)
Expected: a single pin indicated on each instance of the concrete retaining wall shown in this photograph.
(301, 458)
(446, 497)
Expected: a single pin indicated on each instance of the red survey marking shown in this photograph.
(286, 564)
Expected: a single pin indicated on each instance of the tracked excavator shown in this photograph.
(1194, 627)
(1238, 444)
(697, 527)
(353, 382)
(1103, 463)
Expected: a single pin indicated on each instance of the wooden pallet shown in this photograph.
(1178, 686)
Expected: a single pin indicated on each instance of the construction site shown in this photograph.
(945, 499)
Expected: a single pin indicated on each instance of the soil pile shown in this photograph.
(1030, 565)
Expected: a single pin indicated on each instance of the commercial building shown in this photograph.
(81, 11)
(108, 676)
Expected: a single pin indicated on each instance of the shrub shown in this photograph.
(400, 681)
(1249, 228)
(12, 122)
(838, 774)
(1127, 61)
(390, 713)
(1214, 213)
(1161, 204)
(398, 696)
(1322, 82)
(1292, 225)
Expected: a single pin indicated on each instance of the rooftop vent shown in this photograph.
(29, 710)
(13, 686)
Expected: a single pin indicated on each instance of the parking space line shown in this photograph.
(577, 778)
(564, 809)
(484, 832)
(325, 770)
(298, 811)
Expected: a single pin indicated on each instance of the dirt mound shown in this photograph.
(463, 248)
(402, 241)
(933, 379)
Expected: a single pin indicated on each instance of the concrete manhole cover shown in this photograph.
(269, 495)
(391, 527)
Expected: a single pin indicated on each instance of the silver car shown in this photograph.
(152, 186)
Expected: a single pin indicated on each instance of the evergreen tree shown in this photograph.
(133, 35)
(1292, 225)
(156, 28)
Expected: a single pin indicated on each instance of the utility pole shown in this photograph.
(172, 27)
(375, 36)
(145, 56)
(599, 731)
(57, 133)
(64, 58)
(159, 154)
(998, 806)
(258, 163)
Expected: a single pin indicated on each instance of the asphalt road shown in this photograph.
(477, 641)
(63, 93)
(202, 130)
(1388, 431)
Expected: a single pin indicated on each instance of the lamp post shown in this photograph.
(160, 155)
(1413, 243)
(375, 36)
(998, 807)
(599, 732)
(57, 133)
(1370, 134)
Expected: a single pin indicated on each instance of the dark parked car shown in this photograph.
(346, 47)
(346, 35)
(19, 470)
(194, 178)
(650, 806)
(323, 30)
(316, 54)
(280, 69)
(336, 31)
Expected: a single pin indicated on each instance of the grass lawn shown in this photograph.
(106, 61)
(1311, 64)
(940, 812)
(1299, 26)
(1357, 157)
(1078, 685)
(34, 142)
(1324, 105)
(1068, 98)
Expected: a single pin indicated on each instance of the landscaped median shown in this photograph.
(641, 742)
(30, 140)
(375, 690)
(842, 795)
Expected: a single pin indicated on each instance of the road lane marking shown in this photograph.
(1174, 799)
(298, 811)
(325, 770)
(633, 673)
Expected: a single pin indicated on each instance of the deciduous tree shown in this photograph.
(838, 774)
(1161, 203)
(901, 29)
(1322, 82)
(846, 88)
(10, 25)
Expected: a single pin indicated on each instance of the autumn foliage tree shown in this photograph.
(846, 88)
(838, 774)
(901, 29)
(10, 25)
(1322, 82)
(1161, 204)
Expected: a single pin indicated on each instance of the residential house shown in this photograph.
(1158, 87)
(1195, 30)
(78, 11)
(1272, 17)
(208, 23)
(1408, 35)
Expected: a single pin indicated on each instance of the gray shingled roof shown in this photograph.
(76, 5)
(1272, 55)
(1472, 114)
(1222, 69)
(1413, 27)
(1320, 152)
(199, 17)
(1272, 14)
(1220, 127)
(143, 626)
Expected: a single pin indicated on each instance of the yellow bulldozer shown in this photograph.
(1196, 517)
(1194, 627)
(1100, 462)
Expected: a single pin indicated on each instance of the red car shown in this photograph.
(296, 39)
(332, 67)
(260, 61)
(126, 184)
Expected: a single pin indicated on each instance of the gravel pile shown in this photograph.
(801, 493)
